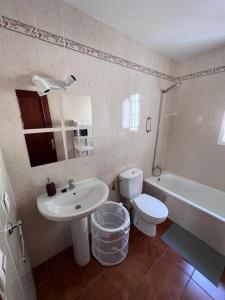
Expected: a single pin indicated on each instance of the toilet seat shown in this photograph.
(150, 207)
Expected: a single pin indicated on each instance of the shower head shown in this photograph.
(171, 87)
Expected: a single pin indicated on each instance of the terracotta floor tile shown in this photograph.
(92, 270)
(85, 295)
(135, 236)
(180, 262)
(162, 227)
(151, 271)
(131, 272)
(45, 292)
(67, 284)
(194, 292)
(147, 251)
(109, 286)
(41, 274)
(169, 277)
(217, 293)
(166, 281)
(61, 261)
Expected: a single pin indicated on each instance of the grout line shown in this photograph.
(82, 274)
(131, 246)
(99, 275)
(92, 282)
(189, 276)
(163, 254)
(158, 259)
(185, 261)
(185, 287)
(42, 284)
(202, 287)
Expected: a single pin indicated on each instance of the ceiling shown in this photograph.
(178, 29)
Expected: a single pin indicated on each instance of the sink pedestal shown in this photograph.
(81, 248)
(74, 206)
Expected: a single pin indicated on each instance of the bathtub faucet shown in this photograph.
(156, 171)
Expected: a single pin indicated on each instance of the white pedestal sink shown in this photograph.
(74, 206)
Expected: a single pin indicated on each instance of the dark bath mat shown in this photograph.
(205, 259)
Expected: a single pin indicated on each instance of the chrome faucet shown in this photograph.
(71, 184)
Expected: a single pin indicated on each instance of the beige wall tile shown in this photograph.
(23, 55)
(194, 132)
(6, 74)
(204, 61)
(22, 10)
(48, 16)
(19, 284)
(80, 27)
(52, 60)
(108, 84)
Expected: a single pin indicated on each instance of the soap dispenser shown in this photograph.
(50, 188)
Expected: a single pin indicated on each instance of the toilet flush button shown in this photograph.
(2, 271)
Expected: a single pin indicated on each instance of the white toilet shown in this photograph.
(148, 211)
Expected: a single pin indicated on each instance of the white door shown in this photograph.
(19, 281)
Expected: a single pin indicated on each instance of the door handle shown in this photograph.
(10, 229)
(53, 144)
(148, 124)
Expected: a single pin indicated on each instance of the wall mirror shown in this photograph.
(56, 127)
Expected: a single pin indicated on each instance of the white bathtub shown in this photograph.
(196, 207)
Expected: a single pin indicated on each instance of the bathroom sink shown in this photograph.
(73, 204)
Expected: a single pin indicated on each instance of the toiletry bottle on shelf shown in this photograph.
(50, 188)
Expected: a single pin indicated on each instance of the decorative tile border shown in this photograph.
(211, 71)
(178, 78)
(17, 26)
(189, 76)
(194, 75)
(50, 37)
(34, 32)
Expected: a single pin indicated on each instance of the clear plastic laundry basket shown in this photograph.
(110, 226)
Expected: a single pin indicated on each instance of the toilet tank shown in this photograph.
(131, 182)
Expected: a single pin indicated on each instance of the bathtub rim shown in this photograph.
(169, 192)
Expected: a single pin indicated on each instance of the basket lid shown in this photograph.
(116, 208)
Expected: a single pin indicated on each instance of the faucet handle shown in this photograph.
(71, 184)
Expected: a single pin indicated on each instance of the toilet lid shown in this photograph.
(151, 206)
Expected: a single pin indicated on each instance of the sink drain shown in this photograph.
(78, 206)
